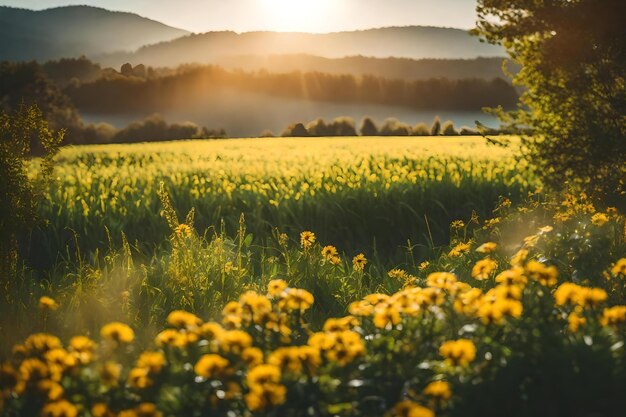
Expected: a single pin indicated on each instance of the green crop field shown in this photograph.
(360, 193)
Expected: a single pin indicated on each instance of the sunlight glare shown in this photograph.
(296, 15)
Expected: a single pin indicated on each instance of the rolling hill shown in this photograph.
(75, 30)
(416, 42)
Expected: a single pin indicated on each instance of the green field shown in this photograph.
(360, 193)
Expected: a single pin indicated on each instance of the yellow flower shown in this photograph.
(39, 343)
(276, 287)
(484, 268)
(386, 315)
(287, 359)
(153, 361)
(267, 396)
(147, 410)
(110, 373)
(183, 320)
(263, 375)
(252, 356)
(140, 378)
(62, 408)
(458, 352)
(443, 280)
(599, 219)
(211, 331)
(183, 231)
(546, 276)
(296, 299)
(619, 269)
(101, 410)
(171, 337)
(575, 321)
(47, 304)
(339, 325)
(83, 348)
(361, 308)
(52, 390)
(408, 408)
(307, 239)
(359, 262)
(457, 224)
(61, 358)
(117, 332)
(513, 276)
(211, 366)
(329, 252)
(487, 247)
(438, 389)
(459, 250)
(613, 316)
(397, 274)
(235, 341)
(519, 258)
(423, 265)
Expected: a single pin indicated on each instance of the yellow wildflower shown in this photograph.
(307, 239)
(487, 247)
(439, 390)
(458, 352)
(211, 366)
(359, 262)
(117, 332)
(484, 268)
(408, 408)
(47, 304)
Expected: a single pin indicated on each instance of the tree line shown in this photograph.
(127, 92)
(346, 126)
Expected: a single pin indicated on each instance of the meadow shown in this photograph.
(360, 193)
(314, 277)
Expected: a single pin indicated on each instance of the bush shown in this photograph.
(368, 127)
(393, 127)
(420, 129)
(435, 129)
(342, 126)
(447, 129)
(20, 194)
(296, 130)
(573, 56)
(154, 128)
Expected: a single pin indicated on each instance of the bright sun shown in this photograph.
(288, 15)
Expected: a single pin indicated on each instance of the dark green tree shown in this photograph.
(573, 59)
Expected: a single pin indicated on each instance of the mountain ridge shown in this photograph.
(71, 31)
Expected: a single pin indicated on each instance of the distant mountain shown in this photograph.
(75, 30)
(416, 42)
(396, 68)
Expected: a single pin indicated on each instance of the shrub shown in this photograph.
(295, 130)
(368, 127)
(20, 194)
(447, 129)
(393, 127)
(420, 129)
(435, 129)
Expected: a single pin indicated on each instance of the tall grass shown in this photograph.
(366, 193)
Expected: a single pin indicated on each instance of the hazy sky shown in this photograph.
(284, 15)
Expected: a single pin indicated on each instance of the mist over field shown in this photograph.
(244, 114)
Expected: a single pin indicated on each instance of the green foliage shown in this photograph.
(22, 189)
(573, 55)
